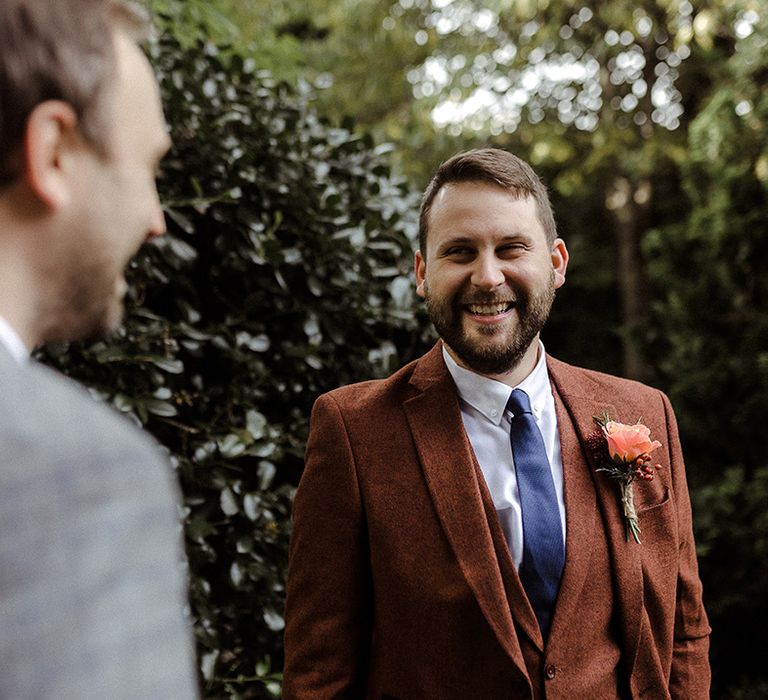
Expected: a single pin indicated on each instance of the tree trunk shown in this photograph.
(628, 203)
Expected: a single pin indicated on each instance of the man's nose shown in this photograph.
(487, 272)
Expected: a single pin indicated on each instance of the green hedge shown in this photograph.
(285, 272)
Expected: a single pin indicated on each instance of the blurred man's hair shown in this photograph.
(58, 50)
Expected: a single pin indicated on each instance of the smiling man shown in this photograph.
(493, 271)
(93, 590)
(452, 537)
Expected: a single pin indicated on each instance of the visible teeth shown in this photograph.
(488, 309)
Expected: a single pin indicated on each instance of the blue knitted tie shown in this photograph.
(543, 548)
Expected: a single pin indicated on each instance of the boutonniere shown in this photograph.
(624, 453)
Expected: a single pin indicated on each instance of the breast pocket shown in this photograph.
(659, 548)
(657, 521)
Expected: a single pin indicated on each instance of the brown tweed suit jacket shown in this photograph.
(395, 590)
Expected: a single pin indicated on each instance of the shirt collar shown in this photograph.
(10, 339)
(489, 396)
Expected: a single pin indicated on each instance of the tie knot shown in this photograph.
(519, 402)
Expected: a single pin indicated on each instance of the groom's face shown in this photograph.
(488, 275)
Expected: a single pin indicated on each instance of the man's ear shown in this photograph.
(559, 261)
(420, 268)
(50, 136)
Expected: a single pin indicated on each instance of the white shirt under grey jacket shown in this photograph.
(10, 339)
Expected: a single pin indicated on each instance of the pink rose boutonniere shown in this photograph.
(624, 453)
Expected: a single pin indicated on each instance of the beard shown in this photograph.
(492, 358)
(89, 305)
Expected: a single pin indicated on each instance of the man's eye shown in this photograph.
(458, 252)
(510, 249)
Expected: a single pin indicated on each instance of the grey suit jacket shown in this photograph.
(93, 589)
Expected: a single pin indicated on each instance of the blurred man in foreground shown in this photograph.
(92, 584)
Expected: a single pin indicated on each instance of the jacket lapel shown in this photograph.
(577, 395)
(581, 521)
(447, 460)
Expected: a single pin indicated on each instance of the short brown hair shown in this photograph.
(494, 166)
(57, 50)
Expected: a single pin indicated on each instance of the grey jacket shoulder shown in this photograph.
(41, 409)
(92, 581)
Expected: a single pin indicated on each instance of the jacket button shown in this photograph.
(550, 672)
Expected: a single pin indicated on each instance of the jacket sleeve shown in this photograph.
(690, 674)
(328, 597)
(92, 587)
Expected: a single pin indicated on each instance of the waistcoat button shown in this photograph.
(550, 672)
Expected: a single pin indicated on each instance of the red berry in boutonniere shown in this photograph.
(623, 452)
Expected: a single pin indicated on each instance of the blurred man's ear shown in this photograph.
(49, 140)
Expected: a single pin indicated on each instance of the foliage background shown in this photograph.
(286, 269)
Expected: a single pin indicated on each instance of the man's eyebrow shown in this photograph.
(455, 240)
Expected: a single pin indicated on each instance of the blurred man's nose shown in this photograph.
(157, 224)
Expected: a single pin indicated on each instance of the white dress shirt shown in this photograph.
(487, 422)
(11, 341)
